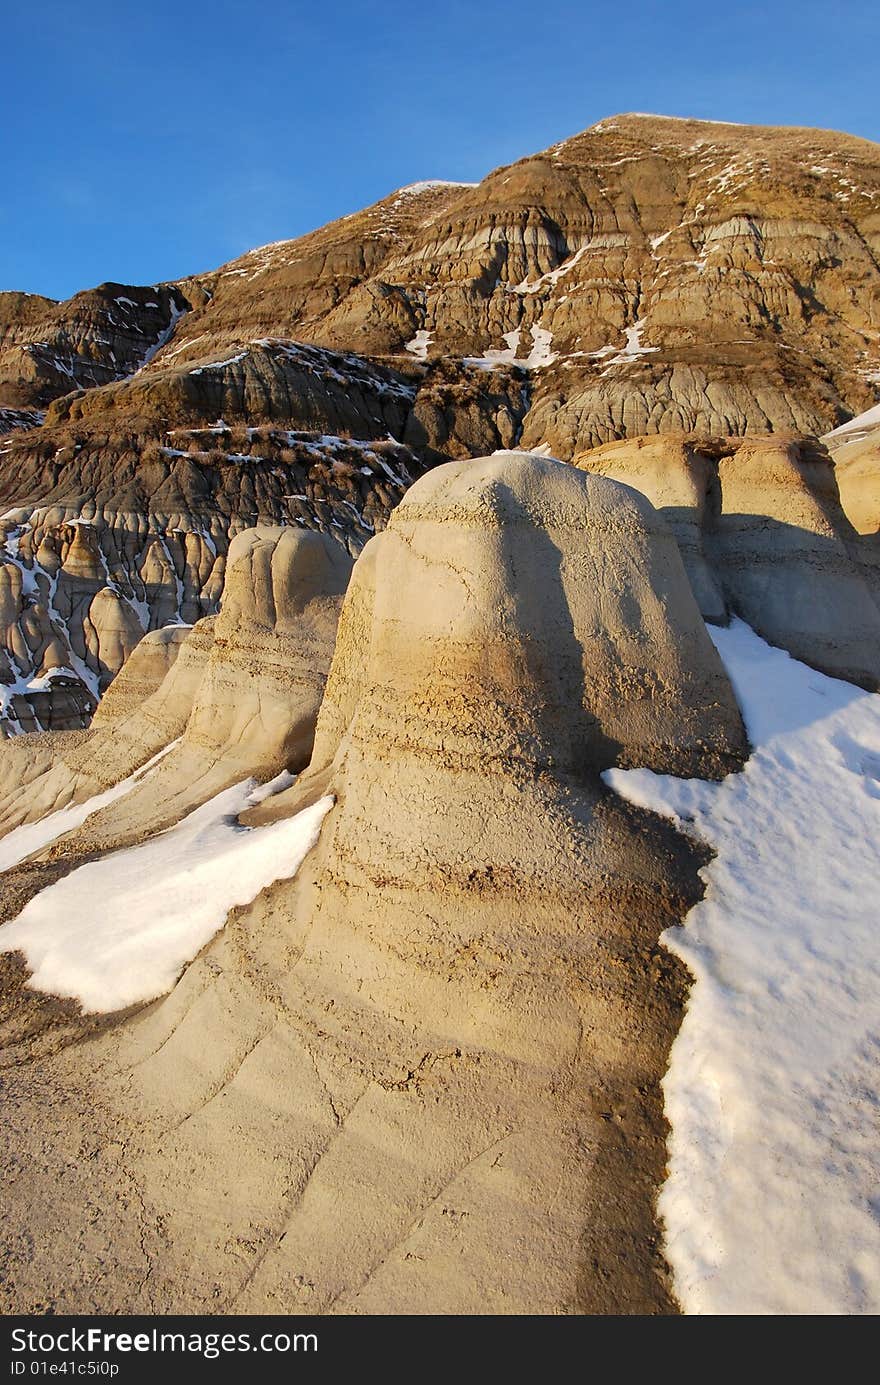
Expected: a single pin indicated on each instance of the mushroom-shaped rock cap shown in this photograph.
(518, 611)
(273, 573)
(679, 475)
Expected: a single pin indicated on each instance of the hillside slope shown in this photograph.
(647, 276)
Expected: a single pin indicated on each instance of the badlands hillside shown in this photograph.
(647, 276)
(405, 629)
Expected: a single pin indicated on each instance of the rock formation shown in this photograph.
(855, 448)
(240, 696)
(647, 276)
(762, 534)
(110, 541)
(103, 334)
(424, 1075)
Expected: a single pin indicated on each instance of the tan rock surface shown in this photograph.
(856, 451)
(143, 674)
(126, 542)
(683, 275)
(256, 704)
(857, 470)
(44, 772)
(788, 566)
(423, 1076)
(679, 475)
(240, 696)
(763, 534)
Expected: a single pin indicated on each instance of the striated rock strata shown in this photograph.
(240, 696)
(763, 534)
(109, 541)
(424, 1075)
(647, 276)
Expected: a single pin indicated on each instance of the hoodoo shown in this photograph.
(444, 1038)
(241, 697)
(763, 535)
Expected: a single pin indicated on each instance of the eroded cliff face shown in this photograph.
(237, 694)
(103, 334)
(120, 533)
(649, 276)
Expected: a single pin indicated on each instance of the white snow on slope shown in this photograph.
(218, 365)
(773, 1090)
(865, 420)
(631, 351)
(23, 841)
(119, 931)
(679, 119)
(542, 353)
(418, 345)
(497, 355)
(163, 337)
(552, 276)
(413, 189)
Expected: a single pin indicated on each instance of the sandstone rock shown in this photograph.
(128, 540)
(519, 550)
(857, 471)
(443, 1041)
(760, 524)
(648, 276)
(143, 674)
(855, 448)
(651, 274)
(786, 566)
(240, 698)
(679, 475)
(48, 349)
(42, 773)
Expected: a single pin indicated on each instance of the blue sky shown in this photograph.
(145, 142)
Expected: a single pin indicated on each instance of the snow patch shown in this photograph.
(218, 365)
(553, 275)
(419, 344)
(630, 352)
(23, 841)
(497, 354)
(413, 189)
(770, 1206)
(541, 354)
(119, 931)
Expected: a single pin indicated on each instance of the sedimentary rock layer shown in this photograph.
(763, 535)
(125, 533)
(239, 696)
(646, 276)
(424, 1075)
